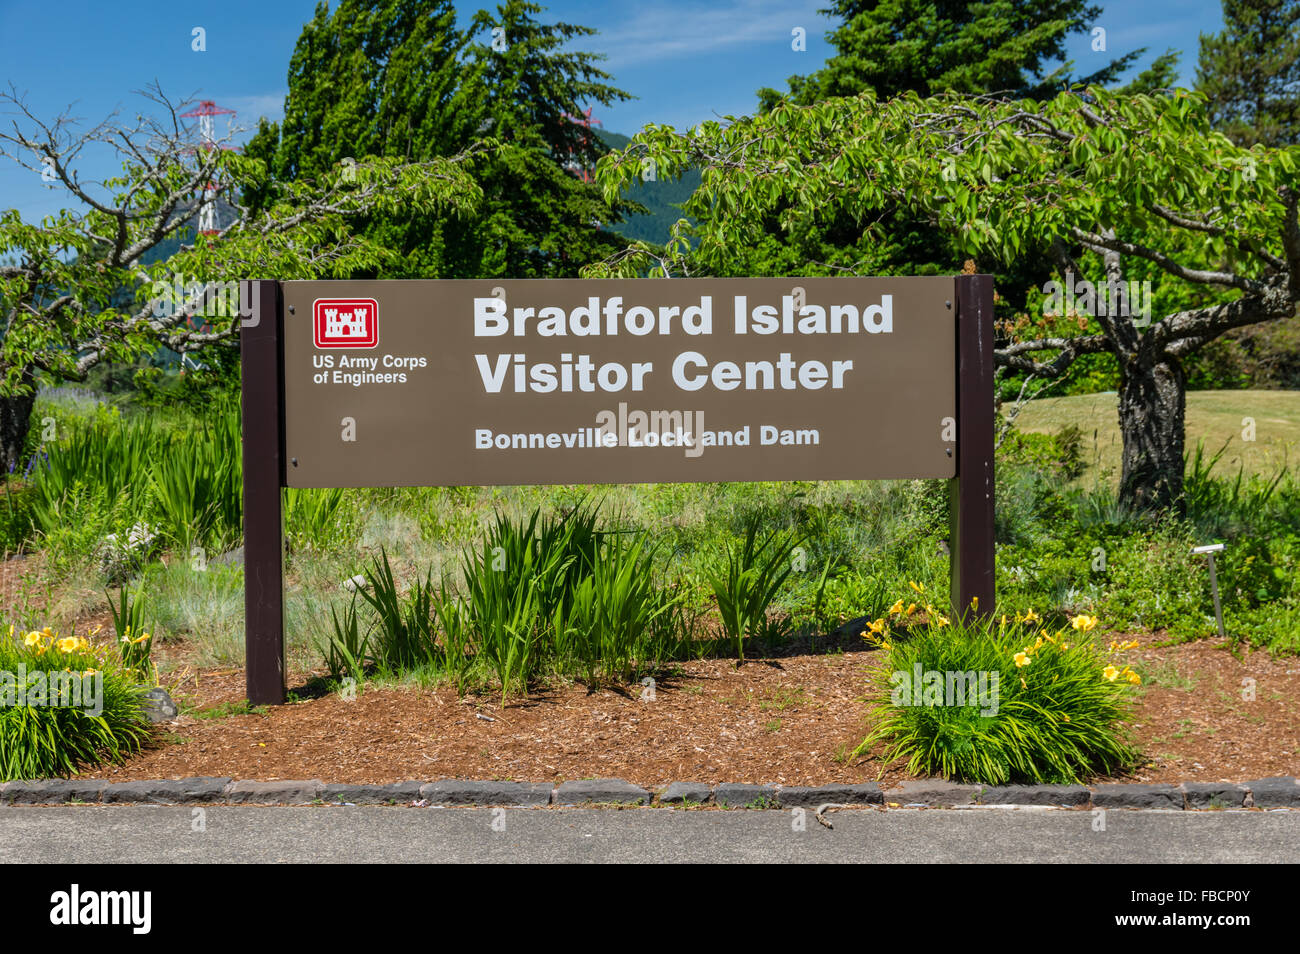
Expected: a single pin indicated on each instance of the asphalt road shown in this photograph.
(116, 834)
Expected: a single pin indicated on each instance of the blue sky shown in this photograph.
(684, 61)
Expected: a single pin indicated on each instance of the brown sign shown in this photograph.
(468, 382)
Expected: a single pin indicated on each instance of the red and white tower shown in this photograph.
(577, 164)
(205, 113)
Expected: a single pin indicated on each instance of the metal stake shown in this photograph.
(1209, 552)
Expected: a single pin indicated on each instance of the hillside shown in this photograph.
(662, 198)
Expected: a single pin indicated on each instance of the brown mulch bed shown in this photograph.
(790, 721)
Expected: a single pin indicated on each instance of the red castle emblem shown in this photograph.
(345, 323)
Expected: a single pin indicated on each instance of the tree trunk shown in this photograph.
(1152, 404)
(15, 419)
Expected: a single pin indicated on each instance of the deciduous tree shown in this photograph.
(80, 287)
(1116, 185)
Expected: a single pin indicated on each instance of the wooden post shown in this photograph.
(970, 493)
(263, 448)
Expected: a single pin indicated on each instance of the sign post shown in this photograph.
(478, 383)
(970, 495)
(261, 367)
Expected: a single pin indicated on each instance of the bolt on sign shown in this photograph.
(468, 382)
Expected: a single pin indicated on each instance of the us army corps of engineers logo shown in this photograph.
(345, 323)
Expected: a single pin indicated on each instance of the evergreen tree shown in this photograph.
(932, 46)
(1250, 72)
(397, 78)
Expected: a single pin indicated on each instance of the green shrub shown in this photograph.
(347, 652)
(132, 637)
(16, 519)
(1048, 710)
(105, 473)
(404, 637)
(197, 483)
(316, 519)
(50, 689)
(745, 582)
(1275, 626)
(538, 594)
(616, 617)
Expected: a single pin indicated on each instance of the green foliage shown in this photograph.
(57, 735)
(1218, 506)
(132, 636)
(317, 519)
(900, 46)
(112, 472)
(347, 651)
(663, 200)
(179, 474)
(745, 581)
(1047, 712)
(15, 516)
(613, 622)
(197, 484)
(540, 594)
(196, 390)
(388, 78)
(404, 638)
(1250, 72)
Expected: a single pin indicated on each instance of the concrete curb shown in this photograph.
(600, 791)
(1268, 793)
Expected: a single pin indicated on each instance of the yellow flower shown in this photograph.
(916, 586)
(46, 632)
(1022, 659)
(32, 639)
(911, 608)
(1031, 617)
(67, 645)
(1110, 673)
(896, 608)
(96, 631)
(139, 639)
(1135, 679)
(975, 602)
(877, 626)
(1083, 623)
(942, 620)
(1065, 717)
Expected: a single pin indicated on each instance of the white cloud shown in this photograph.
(666, 30)
(251, 108)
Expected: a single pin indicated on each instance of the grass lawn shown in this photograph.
(1215, 417)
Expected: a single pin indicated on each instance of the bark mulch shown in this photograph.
(789, 721)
